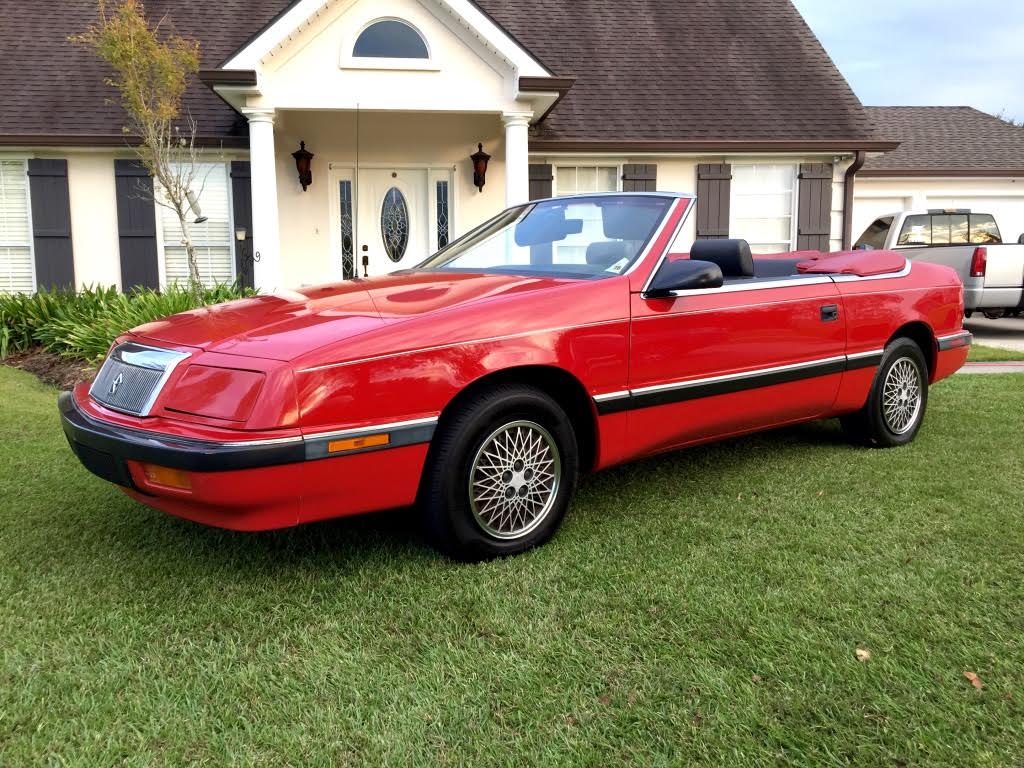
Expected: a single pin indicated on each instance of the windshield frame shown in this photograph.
(435, 262)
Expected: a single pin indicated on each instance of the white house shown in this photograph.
(736, 101)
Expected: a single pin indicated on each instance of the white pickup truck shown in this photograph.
(992, 272)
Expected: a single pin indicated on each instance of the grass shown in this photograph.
(700, 608)
(983, 354)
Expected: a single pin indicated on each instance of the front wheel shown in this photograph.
(500, 474)
(896, 404)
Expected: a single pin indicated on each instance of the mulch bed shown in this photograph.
(57, 371)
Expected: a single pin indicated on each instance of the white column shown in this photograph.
(517, 157)
(266, 234)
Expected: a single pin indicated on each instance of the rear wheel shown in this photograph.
(896, 404)
(500, 475)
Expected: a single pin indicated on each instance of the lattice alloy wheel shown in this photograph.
(901, 396)
(514, 479)
(895, 407)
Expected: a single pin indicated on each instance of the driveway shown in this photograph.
(1004, 334)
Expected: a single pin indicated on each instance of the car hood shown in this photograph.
(286, 325)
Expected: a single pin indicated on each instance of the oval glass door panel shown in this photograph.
(394, 224)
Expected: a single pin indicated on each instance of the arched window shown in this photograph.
(390, 39)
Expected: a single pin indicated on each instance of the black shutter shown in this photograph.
(51, 223)
(136, 225)
(639, 178)
(241, 204)
(541, 176)
(713, 186)
(814, 220)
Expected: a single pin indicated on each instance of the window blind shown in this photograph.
(212, 238)
(16, 272)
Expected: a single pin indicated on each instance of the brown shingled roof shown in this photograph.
(946, 141)
(655, 71)
(52, 88)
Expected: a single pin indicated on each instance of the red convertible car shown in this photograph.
(561, 337)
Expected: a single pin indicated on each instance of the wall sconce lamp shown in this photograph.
(303, 161)
(480, 160)
(240, 234)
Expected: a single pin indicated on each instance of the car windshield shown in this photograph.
(583, 237)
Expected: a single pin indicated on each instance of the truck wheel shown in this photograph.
(500, 475)
(896, 404)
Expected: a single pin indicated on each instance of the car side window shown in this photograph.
(874, 236)
(984, 229)
(917, 230)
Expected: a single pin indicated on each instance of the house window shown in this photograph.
(348, 255)
(575, 180)
(441, 193)
(390, 39)
(16, 269)
(761, 207)
(212, 238)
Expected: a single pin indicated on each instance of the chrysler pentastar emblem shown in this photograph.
(116, 383)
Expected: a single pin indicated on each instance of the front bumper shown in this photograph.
(251, 486)
(104, 448)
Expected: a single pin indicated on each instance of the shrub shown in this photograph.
(84, 324)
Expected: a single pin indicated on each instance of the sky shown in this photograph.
(926, 52)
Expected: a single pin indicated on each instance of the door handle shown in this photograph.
(829, 313)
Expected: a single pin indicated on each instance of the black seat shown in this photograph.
(607, 252)
(732, 256)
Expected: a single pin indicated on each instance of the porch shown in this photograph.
(388, 188)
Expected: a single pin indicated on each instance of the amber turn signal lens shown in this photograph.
(358, 443)
(172, 478)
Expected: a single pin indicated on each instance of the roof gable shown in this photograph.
(314, 66)
(303, 13)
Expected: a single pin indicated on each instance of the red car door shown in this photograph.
(715, 362)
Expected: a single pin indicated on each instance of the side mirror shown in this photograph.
(684, 275)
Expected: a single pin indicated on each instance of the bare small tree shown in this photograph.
(152, 66)
(1001, 114)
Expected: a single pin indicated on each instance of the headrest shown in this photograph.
(606, 253)
(732, 256)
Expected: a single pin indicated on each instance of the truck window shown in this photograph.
(984, 229)
(949, 228)
(874, 235)
(917, 230)
(958, 229)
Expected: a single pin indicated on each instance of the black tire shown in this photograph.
(455, 521)
(903, 366)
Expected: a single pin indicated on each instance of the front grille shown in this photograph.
(132, 376)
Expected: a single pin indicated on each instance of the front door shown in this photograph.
(392, 219)
(719, 362)
(393, 230)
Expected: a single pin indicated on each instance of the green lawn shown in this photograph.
(982, 354)
(700, 608)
